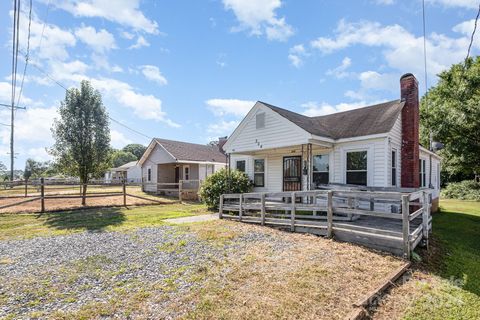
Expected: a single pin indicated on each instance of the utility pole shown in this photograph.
(12, 154)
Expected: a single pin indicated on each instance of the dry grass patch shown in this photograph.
(276, 274)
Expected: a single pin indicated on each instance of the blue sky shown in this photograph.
(190, 70)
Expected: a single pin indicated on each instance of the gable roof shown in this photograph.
(185, 151)
(365, 121)
(126, 166)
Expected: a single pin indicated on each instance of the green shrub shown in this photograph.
(465, 190)
(222, 182)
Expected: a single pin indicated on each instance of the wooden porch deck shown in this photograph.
(361, 217)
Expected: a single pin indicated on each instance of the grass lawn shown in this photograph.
(447, 282)
(16, 226)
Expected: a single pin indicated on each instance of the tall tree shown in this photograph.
(120, 157)
(452, 116)
(136, 149)
(82, 135)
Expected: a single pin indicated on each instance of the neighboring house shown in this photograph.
(375, 146)
(166, 162)
(131, 172)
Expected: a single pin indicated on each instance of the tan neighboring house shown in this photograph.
(168, 165)
(130, 171)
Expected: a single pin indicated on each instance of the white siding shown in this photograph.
(376, 162)
(434, 173)
(278, 132)
(157, 156)
(395, 142)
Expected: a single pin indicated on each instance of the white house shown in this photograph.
(130, 171)
(166, 162)
(374, 146)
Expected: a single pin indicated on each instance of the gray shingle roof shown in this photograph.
(192, 151)
(374, 119)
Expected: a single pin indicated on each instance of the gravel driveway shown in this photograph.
(109, 274)
(56, 275)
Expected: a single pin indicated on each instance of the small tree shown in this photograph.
(82, 135)
(224, 182)
(3, 171)
(120, 157)
(136, 149)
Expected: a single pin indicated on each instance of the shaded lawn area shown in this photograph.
(446, 284)
(17, 226)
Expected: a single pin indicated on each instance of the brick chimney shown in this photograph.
(410, 139)
(221, 142)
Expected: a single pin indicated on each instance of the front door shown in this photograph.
(292, 173)
(177, 174)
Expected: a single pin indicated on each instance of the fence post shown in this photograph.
(406, 226)
(180, 190)
(292, 225)
(425, 217)
(220, 208)
(26, 188)
(329, 213)
(124, 189)
(262, 212)
(42, 195)
(240, 207)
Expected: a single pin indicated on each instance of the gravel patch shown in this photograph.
(59, 276)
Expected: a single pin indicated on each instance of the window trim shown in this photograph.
(422, 171)
(328, 165)
(394, 168)
(245, 164)
(149, 174)
(185, 174)
(346, 152)
(264, 172)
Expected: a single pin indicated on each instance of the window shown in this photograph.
(423, 173)
(240, 165)
(260, 120)
(149, 174)
(357, 168)
(186, 173)
(320, 169)
(259, 172)
(394, 167)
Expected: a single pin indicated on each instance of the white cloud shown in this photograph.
(127, 35)
(385, 2)
(223, 127)
(118, 140)
(100, 41)
(465, 27)
(39, 154)
(403, 51)
(469, 4)
(379, 81)
(101, 61)
(341, 71)
(141, 42)
(236, 107)
(296, 55)
(313, 109)
(145, 106)
(260, 18)
(6, 95)
(153, 73)
(123, 12)
(54, 43)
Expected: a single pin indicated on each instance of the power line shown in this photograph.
(27, 54)
(133, 130)
(473, 34)
(425, 69)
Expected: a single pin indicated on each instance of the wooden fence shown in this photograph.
(41, 190)
(389, 221)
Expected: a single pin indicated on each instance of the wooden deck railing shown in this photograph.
(399, 220)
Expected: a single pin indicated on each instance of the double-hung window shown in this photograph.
(240, 165)
(259, 172)
(394, 167)
(320, 169)
(423, 173)
(356, 171)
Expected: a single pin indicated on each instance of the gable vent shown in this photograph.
(260, 120)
